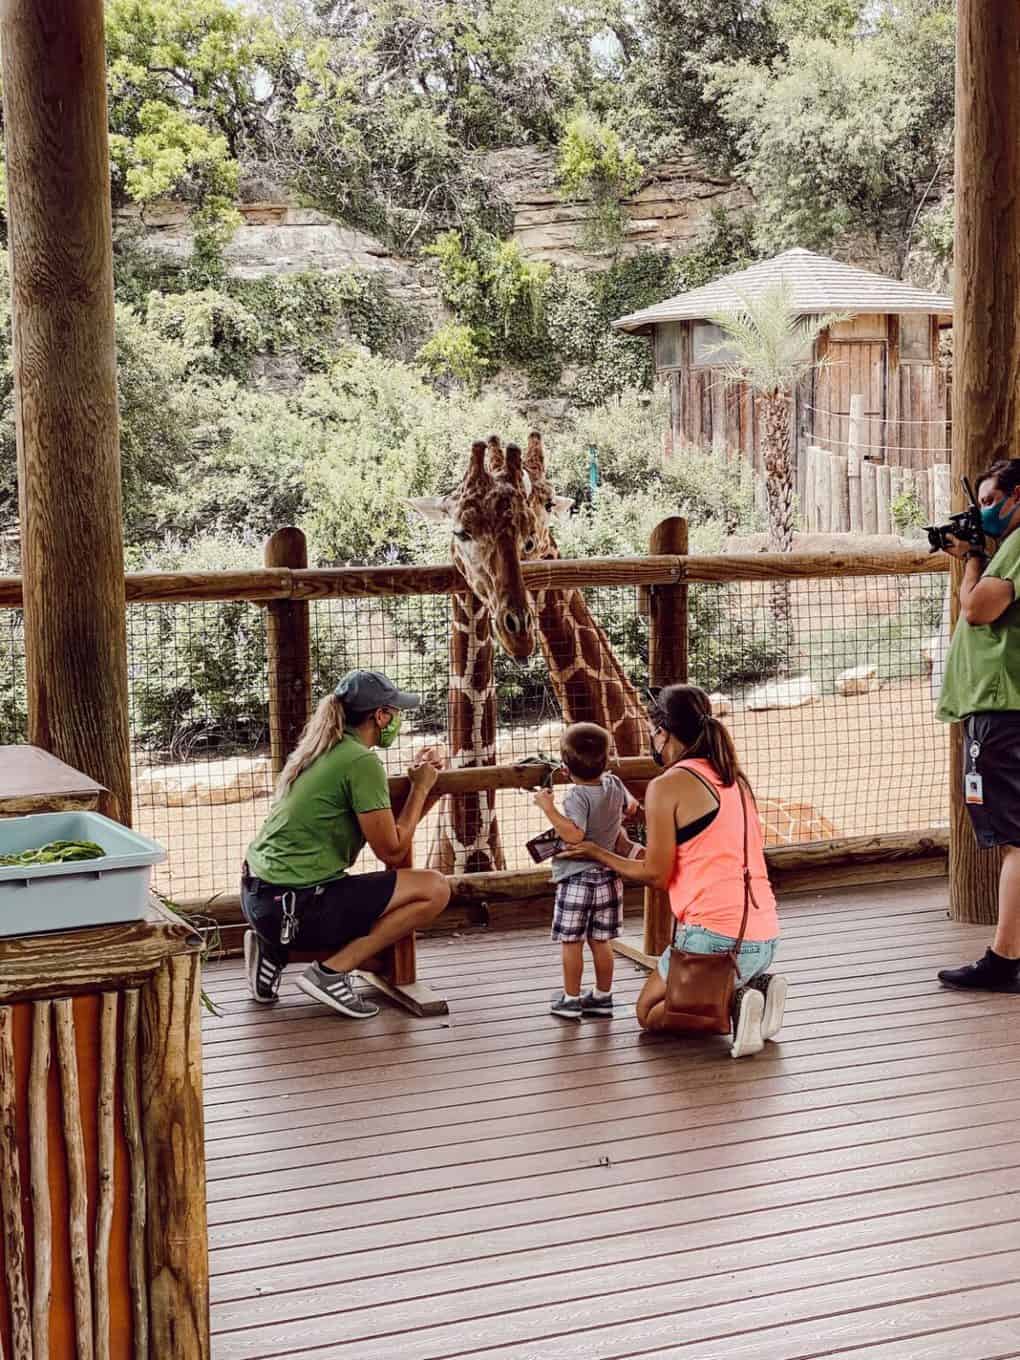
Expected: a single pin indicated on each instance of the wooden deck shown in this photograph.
(506, 1186)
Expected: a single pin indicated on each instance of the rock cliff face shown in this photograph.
(666, 213)
(276, 237)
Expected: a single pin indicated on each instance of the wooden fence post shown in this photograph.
(667, 665)
(288, 636)
(855, 439)
(840, 494)
(942, 491)
(869, 497)
(883, 476)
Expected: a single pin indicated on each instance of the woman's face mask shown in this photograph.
(995, 518)
(657, 751)
(388, 734)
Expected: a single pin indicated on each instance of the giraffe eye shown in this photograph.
(529, 545)
(549, 506)
(462, 534)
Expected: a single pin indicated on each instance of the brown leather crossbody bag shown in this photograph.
(700, 987)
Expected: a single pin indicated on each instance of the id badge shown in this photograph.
(973, 789)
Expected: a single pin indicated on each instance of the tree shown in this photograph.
(688, 39)
(847, 137)
(770, 349)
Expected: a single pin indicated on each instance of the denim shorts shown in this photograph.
(755, 956)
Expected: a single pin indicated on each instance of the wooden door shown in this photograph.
(853, 366)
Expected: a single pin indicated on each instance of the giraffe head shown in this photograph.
(500, 517)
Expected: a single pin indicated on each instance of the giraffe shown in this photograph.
(500, 515)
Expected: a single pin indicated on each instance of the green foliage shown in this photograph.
(768, 345)
(836, 138)
(220, 335)
(453, 352)
(907, 512)
(183, 81)
(594, 165)
(818, 18)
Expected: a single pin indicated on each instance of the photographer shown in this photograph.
(981, 689)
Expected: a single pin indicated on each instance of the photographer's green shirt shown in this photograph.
(312, 834)
(983, 665)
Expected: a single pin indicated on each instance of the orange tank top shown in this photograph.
(707, 885)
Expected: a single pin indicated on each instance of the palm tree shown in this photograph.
(769, 349)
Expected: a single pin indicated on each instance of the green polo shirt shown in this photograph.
(983, 665)
(312, 835)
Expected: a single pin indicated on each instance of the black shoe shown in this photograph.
(992, 973)
(597, 1005)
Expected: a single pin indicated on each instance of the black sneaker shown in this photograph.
(773, 987)
(335, 990)
(992, 973)
(565, 1007)
(748, 1009)
(263, 974)
(597, 1005)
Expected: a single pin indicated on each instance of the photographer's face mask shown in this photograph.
(995, 518)
(388, 734)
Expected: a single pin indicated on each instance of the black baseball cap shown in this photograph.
(363, 691)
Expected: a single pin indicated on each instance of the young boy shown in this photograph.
(589, 898)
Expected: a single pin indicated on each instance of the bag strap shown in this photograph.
(748, 893)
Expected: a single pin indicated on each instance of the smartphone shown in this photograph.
(543, 847)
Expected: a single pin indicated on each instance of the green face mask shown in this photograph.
(388, 735)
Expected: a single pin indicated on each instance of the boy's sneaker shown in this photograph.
(773, 987)
(597, 1005)
(568, 1008)
(262, 973)
(748, 1009)
(335, 990)
(993, 973)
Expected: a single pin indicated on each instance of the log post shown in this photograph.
(883, 475)
(288, 640)
(869, 497)
(667, 665)
(65, 386)
(986, 327)
(854, 441)
(173, 1139)
(838, 472)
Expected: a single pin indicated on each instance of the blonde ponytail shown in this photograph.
(323, 731)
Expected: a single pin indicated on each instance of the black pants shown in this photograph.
(991, 749)
(328, 915)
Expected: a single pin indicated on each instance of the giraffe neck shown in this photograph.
(589, 681)
(468, 839)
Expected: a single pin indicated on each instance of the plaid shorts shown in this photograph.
(589, 905)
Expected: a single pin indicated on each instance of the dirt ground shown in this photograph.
(871, 763)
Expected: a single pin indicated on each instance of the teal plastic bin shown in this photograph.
(92, 892)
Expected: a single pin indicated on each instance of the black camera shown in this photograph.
(965, 527)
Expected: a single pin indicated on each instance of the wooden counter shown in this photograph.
(104, 1252)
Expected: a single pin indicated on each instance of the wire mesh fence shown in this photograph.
(829, 697)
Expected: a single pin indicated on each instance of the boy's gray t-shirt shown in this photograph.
(598, 810)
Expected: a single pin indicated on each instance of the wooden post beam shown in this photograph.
(986, 331)
(288, 643)
(65, 386)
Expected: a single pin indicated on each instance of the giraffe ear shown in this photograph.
(437, 509)
(561, 506)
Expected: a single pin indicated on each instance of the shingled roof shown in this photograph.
(817, 284)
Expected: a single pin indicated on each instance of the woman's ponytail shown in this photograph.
(721, 752)
(324, 729)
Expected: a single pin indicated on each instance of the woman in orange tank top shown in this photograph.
(695, 815)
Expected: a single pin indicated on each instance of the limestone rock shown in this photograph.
(784, 694)
(858, 680)
(206, 784)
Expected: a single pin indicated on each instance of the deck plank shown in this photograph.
(501, 1186)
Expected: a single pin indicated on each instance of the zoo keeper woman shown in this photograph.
(694, 814)
(332, 796)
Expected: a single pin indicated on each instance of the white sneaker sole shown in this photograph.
(317, 994)
(775, 1007)
(251, 963)
(748, 1038)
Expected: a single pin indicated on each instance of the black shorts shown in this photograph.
(991, 749)
(329, 915)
